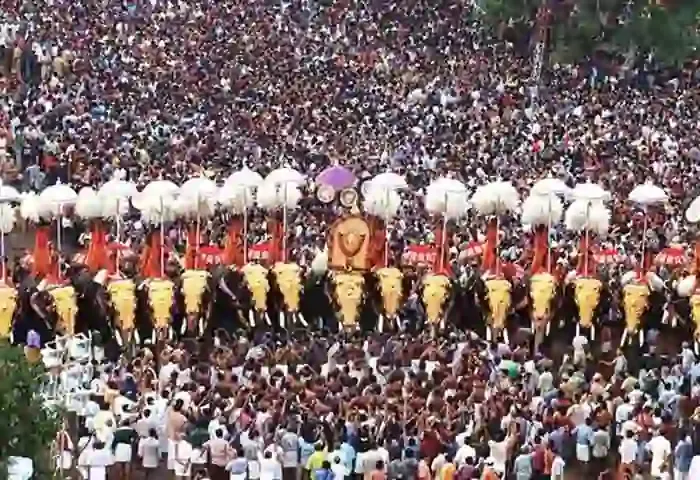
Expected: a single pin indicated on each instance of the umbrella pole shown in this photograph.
(119, 239)
(245, 225)
(2, 254)
(587, 237)
(386, 233)
(284, 226)
(549, 230)
(162, 240)
(59, 226)
(443, 240)
(644, 240)
(196, 245)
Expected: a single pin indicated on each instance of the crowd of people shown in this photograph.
(172, 89)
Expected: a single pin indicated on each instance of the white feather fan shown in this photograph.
(542, 210)
(29, 208)
(272, 196)
(191, 206)
(448, 197)
(89, 204)
(7, 217)
(496, 198)
(236, 198)
(319, 265)
(686, 287)
(582, 215)
(383, 203)
(156, 209)
(113, 207)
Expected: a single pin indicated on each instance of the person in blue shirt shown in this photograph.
(682, 457)
(584, 434)
(324, 473)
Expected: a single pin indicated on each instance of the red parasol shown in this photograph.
(608, 256)
(671, 256)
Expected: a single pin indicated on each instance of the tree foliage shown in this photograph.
(579, 28)
(27, 428)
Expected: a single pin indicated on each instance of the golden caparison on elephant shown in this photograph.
(587, 292)
(391, 289)
(194, 284)
(543, 290)
(256, 280)
(289, 282)
(498, 296)
(436, 290)
(348, 293)
(635, 302)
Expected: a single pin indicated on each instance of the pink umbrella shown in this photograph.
(337, 176)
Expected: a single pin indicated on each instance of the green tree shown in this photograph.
(579, 28)
(27, 428)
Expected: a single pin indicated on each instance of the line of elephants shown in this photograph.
(255, 299)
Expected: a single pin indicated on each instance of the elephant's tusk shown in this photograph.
(153, 336)
(302, 319)
(624, 338)
(118, 338)
(267, 319)
(137, 336)
(641, 337)
(251, 318)
(505, 336)
(183, 327)
(171, 333)
(548, 328)
(592, 332)
(200, 326)
(578, 328)
(380, 323)
(281, 319)
(488, 334)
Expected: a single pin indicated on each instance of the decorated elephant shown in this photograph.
(640, 289)
(122, 303)
(195, 292)
(348, 295)
(288, 280)
(390, 283)
(8, 306)
(687, 288)
(435, 292)
(256, 281)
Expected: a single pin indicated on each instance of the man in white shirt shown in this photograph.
(99, 458)
(628, 451)
(558, 465)
(579, 343)
(149, 451)
(660, 449)
(464, 452)
(270, 466)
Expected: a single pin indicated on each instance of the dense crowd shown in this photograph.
(172, 89)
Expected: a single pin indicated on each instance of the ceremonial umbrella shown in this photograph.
(337, 176)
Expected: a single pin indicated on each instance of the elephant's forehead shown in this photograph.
(588, 283)
(637, 290)
(498, 285)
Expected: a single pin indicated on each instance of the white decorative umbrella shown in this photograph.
(245, 177)
(198, 196)
(284, 178)
(448, 198)
(285, 175)
(238, 195)
(692, 214)
(157, 201)
(646, 195)
(387, 181)
(53, 199)
(550, 186)
(115, 195)
(9, 193)
(589, 191)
